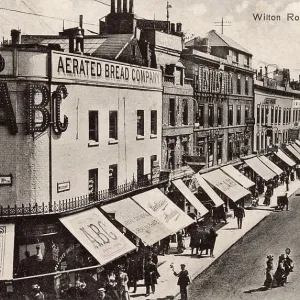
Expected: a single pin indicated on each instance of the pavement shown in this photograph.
(228, 235)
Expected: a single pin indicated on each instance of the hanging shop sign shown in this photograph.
(76, 67)
(6, 179)
(63, 186)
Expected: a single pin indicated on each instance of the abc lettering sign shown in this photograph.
(99, 71)
(104, 241)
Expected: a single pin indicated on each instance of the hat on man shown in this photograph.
(182, 265)
(35, 286)
(101, 290)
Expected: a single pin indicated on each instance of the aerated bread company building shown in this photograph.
(74, 131)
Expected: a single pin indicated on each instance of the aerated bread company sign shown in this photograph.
(69, 66)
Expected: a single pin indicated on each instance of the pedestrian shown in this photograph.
(133, 272)
(289, 264)
(180, 246)
(195, 239)
(280, 275)
(270, 281)
(268, 195)
(285, 202)
(102, 294)
(287, 181)
(239, 214)
(222, 213)
(122, 283)
(204, 240)
(282, 177)
(298, 172)
(36, 292)
(150, 276)
(183, 280)
(212, 239)
(165, 245)
(215, 215)
(292, 175)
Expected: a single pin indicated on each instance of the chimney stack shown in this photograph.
(131, 10)
(81, 21)
(266, 71)
(119, 8)
(178, 27)
(172, 27)
(15, 36)
(124, 6)
(113, 6)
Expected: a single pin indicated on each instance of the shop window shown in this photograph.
(238, 149)
(153, 158)
(238, 84)
(230, 115)
(113, 177)
(171, 156)
(185, 112)
(93, 126)
(200, 146)
(210, 115)
(258, 114)
(154, 122)
(113, 125)
(238, 115)
(200, 117)
(140, 169)
(140, 123)
(220, 115)
(262, 141)
(257, 142)
(219, 152)
(93, 184)
(247, 85)
(210, 154)
(172, 112)
(230, 150)
(272, 114)
(279, 116)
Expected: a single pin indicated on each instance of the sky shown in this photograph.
(270, 42)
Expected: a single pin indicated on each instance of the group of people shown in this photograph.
(284, 268)
(202, 239)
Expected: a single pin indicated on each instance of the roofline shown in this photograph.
(127, 43)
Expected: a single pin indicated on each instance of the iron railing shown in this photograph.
(83, 201)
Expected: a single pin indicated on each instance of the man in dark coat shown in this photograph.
(183, 281)
(285, 202)
(150, 276)
(239, 214)
(204, 240)
(289, 264)
(212, 239)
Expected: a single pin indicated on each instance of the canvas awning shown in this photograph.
(260, 168)
(100, 237)
(232, 172)
(7, 238)
(271, 165)
(297, 142)
(226, 185)
(280, 154)
(296, 147)
(185, 191)
(209, 191)
(162, 208)
(293, 151)
(137, 220)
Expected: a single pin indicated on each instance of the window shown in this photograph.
(153, 158)
(113, 125)
(172, 112)
(200, 117)
(276, 114)
(284, 116)
(266, 113)
(210, 115)
(140, 123)
(93, 126)
(219, 152)
(258, 114)
(290, 115)
(220, 115)
(230, 115)
(154, 122)
(246, 112)
(185, 112)
(279, 116)
(113, 177)
(140, 169)
(238, 115)
(230, 150)
(294, 115)
(272, 114)
(234, 56)
(262, 114)
(210, 154)
(238, 84)
(93, 184)
(247, 85)
(179, 76)
(257, 142)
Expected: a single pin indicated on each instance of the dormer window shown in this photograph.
(234, 56)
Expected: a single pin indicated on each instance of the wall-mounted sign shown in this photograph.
(76, 67)
(5, 179)
(63, 186)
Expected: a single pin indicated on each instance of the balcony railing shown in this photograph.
(84, 201)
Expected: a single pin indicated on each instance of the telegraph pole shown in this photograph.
(168, 15)
(222, 24)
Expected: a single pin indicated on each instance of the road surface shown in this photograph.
(240, 272)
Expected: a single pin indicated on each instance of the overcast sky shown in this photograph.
(271, 42)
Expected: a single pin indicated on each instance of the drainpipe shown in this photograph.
(50, 129)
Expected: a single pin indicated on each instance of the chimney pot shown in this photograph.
(178, 27)
(81, 21)
(15, 36)
(172, 27)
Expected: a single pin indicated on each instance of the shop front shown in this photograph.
(293, 152)
(271, 165)
(284, 161)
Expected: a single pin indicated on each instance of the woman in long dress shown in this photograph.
(270, 281)
(280, 274)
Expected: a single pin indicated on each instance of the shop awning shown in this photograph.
(280, 154)
(260, 168)
(293, 151)
(138, 221)
(297, 142)
(232, 172)
(100, 237)
(7, 238)
(296, 147)
(226, 185)
(209, 191)
(162, 208)
(271, 165)
(185, 191)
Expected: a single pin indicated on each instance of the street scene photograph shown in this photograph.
(149, 150)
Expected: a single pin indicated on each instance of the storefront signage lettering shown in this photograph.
(271, 101)
(63, 186)
(5, 179)
(65, 66)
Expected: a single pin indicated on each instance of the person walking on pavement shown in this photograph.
(289, 264)
(180, 245)
(280, 275)
(102, 295)
(183, 280)
(204, 240)
(287, 181)
(239, 214)
(150, 276)
(36, 293)
(285, 202)
(195, 238)
(268, 195)
(270, 281)
(212, 239)
(122, 284)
